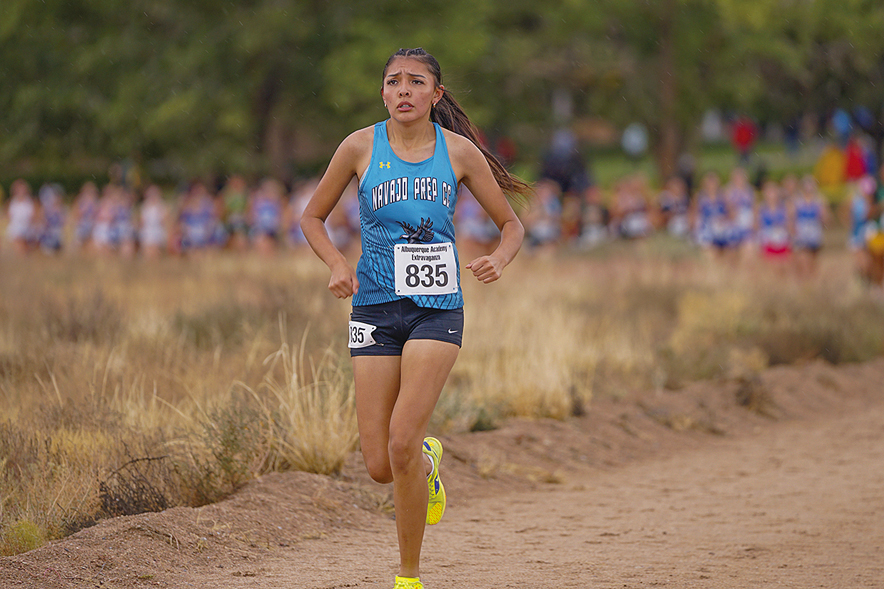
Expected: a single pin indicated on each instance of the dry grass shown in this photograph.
(310, 414)
(131, 387)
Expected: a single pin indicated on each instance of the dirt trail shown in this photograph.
(625, 497)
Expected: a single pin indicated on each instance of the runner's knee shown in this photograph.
(405, 452)
(378, 466)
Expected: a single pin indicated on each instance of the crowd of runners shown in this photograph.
(195, 219)
(783, 220)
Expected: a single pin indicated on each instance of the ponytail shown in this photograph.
(449, 115)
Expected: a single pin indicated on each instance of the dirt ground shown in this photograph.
(774, 482)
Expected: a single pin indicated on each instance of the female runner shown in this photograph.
(407, 320)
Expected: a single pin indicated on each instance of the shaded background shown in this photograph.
(271, 86)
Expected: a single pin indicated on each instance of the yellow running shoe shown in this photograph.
(436, 504)
(408, 583)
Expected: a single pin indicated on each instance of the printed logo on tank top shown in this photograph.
(422, 234)
(422, 189)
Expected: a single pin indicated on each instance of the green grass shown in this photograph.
(610, 165)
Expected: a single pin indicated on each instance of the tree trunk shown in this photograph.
(670, 134)
(279, 147)
(275, 137)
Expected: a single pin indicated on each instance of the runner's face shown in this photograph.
(409, 90)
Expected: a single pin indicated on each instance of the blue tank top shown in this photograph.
(808, 223)
(403, 203)
(773, 226)
(713, 224)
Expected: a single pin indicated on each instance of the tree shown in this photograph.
(270, 86)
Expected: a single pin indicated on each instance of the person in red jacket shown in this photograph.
(744, 135)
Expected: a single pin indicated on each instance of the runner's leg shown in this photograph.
(377, 388)
(424, 370)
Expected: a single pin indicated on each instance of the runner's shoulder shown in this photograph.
(458, 144)
(358, 141)
(464, 154)
(354, 152)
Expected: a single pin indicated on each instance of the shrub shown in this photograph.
(21, 536)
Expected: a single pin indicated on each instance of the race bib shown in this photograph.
(746, 218)
(360, 335)
(778, 236)
(809, 232)
(425, 269)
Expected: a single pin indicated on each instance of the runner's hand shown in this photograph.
(343, 282)
(486, 268)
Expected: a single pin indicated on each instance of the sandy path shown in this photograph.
(797, 505)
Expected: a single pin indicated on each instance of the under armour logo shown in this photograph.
(385, 165)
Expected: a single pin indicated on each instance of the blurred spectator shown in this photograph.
(265, 215)
(791, 187)
(153, 230)
(879, 190)
(198, 220)
(104, 238)
(564, 165)
(854, 160)
(743, 136)
(544, 216)
(875, 249)
(711, 216)
(629, 211)
(842, 125)
(84, 214)
(858, 211)
(53, 217)
(740, 197)
(477, 234)
(874, 236)
(298, 200)
(811, 216)
(830, 167)
(673, 207)
(773, 223)
(594, 218)
(343, 220)
(22, 213)
(235, 196)
(124, 234)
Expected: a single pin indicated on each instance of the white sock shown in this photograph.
(432, 467)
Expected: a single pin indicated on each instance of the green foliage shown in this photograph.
(272, 85)
(22, 536)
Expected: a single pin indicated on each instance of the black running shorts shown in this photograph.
(382, 330)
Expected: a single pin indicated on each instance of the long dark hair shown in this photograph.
(449, 114)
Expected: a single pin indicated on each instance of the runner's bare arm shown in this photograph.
(348, 161)
(471, 168)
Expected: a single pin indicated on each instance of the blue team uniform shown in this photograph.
(403, 203)
(808, 225)
(713, 225)
(773, 230)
